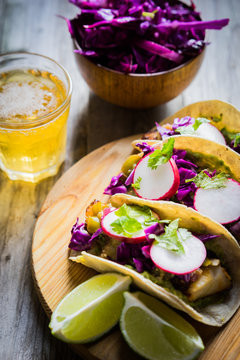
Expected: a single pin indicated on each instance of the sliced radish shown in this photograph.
(180, 264)
(137, 237)
(210, 132)
(160, 183)
(222, 205)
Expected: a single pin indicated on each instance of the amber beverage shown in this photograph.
(35, 94)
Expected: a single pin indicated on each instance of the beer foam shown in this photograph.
(26, 100)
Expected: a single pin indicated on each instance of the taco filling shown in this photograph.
(200, 126)
(199, 181)
(182, 262)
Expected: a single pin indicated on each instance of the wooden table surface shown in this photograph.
(34, 26)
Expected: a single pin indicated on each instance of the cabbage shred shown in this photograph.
(137, 36)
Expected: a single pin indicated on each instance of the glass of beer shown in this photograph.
(35, 94)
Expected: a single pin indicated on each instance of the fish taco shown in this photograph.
(169, 250)
(213, 120)
(188, 170)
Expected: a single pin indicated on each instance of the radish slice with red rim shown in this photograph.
(110, 225)
(209, 132)
(222, 204)
(156, 184)
(183, 263)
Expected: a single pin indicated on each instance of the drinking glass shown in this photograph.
(35, 94)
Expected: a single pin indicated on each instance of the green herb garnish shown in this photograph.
(134, 211)
(231, 137)
(136, 185)
(236, 140)
(202, 180)
(190, 129)
(149, 14)
(126, 226)
(131, 219)
(199, 121)
(161, 156)
(186, 130)
(173, 237)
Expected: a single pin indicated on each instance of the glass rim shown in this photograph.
(50, 115)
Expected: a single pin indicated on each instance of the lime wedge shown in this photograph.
(155, 331)
(91, 309)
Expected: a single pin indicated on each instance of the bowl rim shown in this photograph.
(77, 47)
(51, 116)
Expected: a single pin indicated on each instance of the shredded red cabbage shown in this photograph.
(156, 229)
(116, 186)
(146, 149)
(81, 240)
(129, 179)
(146, 251)
(173, 130)
(205, 237)
(164, 132)
(133, 254)
(185, 121)
(139, 36)
(137, 255)
(187, 170)
(80, 237)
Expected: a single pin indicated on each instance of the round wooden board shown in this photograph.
(55, 275)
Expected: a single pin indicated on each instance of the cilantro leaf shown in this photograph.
(172, 239)
(131, 219)
(126, 226)
(130, 225)
(202, 180)
(190, 129)
(199, 121)
(122, 211)
(184, 234)
(161, 156)
(231, 136)
(236, 140)
(141, 213)
(186, 130)
(136, 185)
(135, 211)
(117, 227)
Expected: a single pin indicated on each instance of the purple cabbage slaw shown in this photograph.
(81, 240)
(118, 183)
(139, 36)
(187, 170)
(177, 122)
(185, 121)
(137, 255)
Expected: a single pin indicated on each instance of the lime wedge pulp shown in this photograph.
(155, 331)
(91, 309)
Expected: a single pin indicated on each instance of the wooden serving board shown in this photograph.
(55, 275)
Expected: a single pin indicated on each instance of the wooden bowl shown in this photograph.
(138, 91)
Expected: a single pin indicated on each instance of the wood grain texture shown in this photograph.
(55, 275)
(138, 91)
(34, 26)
